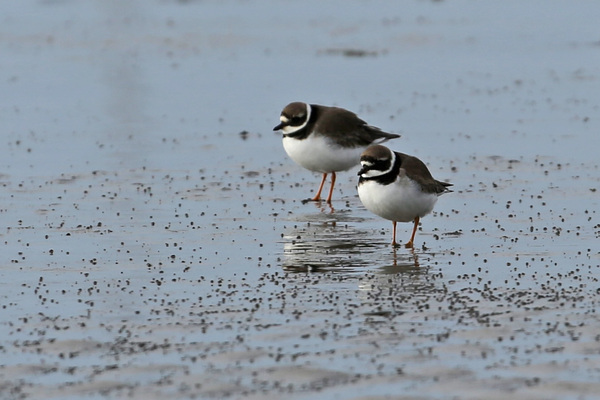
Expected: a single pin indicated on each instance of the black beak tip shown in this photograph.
(278, 127)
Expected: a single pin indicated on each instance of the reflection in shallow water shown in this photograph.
(325, 247)
(333, 243)
(384, 282)
(407, 261)
(396, 288)
(323, 242)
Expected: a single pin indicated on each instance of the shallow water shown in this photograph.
(156, 243)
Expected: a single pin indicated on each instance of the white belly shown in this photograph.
(401, 201)
(318, 154)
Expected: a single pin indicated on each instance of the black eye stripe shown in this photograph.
(297, 121)
(375, 164)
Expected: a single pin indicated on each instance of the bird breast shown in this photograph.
(400, 201)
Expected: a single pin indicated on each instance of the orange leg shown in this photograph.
(412, 237)
(318, 195)
(394, 235)
(331, 188)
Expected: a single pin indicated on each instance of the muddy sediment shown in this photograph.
(156, 242)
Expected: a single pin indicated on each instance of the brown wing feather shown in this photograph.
(357, 132)
(416, 170)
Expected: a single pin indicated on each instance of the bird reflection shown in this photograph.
(401, 262)
(389, 281)
(325, 246)
(323, 206)
(334, 243)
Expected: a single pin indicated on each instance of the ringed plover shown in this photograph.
(326, 139)
(397, 187)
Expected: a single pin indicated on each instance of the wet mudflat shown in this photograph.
(155, 243)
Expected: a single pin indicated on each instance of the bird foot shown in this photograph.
(315, 199)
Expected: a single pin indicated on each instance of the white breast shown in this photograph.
(401, 201)
(319, 154)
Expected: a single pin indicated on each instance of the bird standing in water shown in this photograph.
(397, 187)
(326, 139)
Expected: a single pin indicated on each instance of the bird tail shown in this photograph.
(444, 187)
